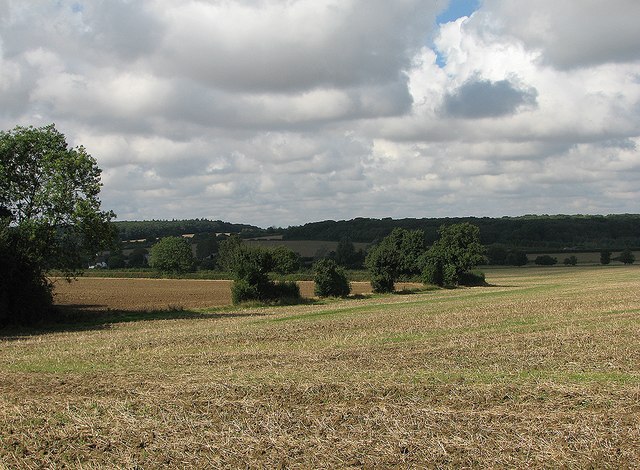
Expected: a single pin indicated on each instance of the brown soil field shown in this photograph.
(162, 294)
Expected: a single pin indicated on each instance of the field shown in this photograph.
(87, 293)
(542, 369)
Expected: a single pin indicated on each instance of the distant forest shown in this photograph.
(538, 232)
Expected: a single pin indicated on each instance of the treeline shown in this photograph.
(586, 232)
(151, 229)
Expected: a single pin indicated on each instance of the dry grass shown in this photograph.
(541, 371)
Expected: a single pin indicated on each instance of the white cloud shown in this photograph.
(277, 112)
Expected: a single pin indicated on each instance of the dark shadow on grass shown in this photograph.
(79, 317)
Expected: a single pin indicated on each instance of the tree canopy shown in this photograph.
(172, 254)
(49, 192)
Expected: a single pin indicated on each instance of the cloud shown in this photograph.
(277, 112)
(483, 98)
(569, 35)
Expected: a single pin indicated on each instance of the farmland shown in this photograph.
(542, 369)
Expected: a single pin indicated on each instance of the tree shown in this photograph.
(330, 279)
(627, 257)
(51, 216)
(605, 257)
(347, 256)
(137, 258)
(397, 254)
(172, 255)
(456, 251)
(571, 260)
(228, 250)
(285, 260)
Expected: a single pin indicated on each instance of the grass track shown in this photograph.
(542, 370)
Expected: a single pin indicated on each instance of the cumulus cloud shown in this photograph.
(277, 112)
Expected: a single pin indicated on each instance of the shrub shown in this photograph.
(571, 260)
(242, 291)
(472, 278)
(251, 268)
(330, 280)
(627, 257)
(546, 260)
(605, 257)
(517, 258)
(285, 290)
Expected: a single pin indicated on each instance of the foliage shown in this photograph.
(152, 229)
(347, 256)
(51, 193)
(330, 279)
(228, 252)
(251, 267)
(397, 254)
(545, 260)
(571, 260)
(172, 255)
(605, 257)
(206, 245)
(472, 278)
(529, 231)
(497, 255)
(432, 273)
(285, 260)
(456, 251)
(627, 257)
(116, 260)
(25, 292)
(517, 258)
(137, 258)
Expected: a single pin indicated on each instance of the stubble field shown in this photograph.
(540, 370)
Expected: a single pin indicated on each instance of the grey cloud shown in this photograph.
(294, 45)
(571, 34)
(482, 98)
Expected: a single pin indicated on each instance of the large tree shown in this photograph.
(456, 251)
(172, 255)
(396, 255)
(50, 216)
(50, 192)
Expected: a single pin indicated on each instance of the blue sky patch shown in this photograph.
(455, 10)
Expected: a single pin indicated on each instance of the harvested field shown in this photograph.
(542, 370)
(161, 294)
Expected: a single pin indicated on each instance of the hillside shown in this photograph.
(530, 231)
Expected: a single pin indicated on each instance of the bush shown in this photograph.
(242, 291)
(285, 290)
(472, 278)
(571, 261)
(330, 280)
(605, 257)
(627, 257)
(546, 260)
(517, 258)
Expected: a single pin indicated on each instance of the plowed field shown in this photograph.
(151, 294)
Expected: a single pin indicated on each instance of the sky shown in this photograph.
(282, 112)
